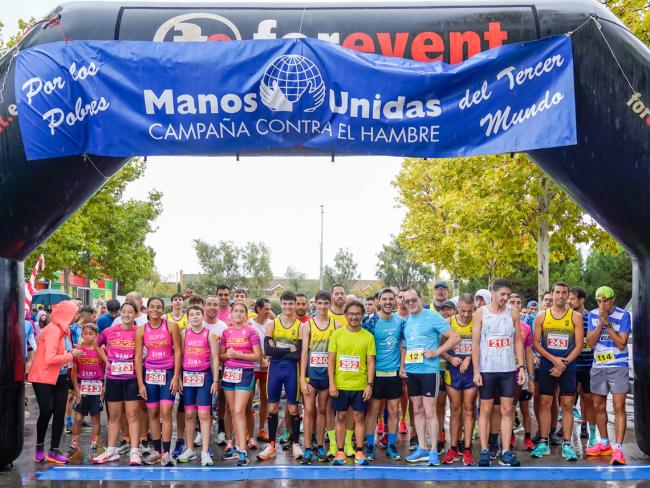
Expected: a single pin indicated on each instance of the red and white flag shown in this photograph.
(29, 286)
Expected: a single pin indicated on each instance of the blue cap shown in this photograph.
(441, 283)
(532, 303)
(449, 304)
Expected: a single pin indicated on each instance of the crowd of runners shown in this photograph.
(359, 378)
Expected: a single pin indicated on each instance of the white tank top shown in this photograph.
(497, 342)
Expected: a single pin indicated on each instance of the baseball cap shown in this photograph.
(441, 283)
(604, 292)
(449, 304)
(532, 303)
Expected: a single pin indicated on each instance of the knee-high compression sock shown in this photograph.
(221, 424)
(273, 427)
(295, 429)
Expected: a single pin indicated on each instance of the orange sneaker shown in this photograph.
(403, 429)
(617, 458)
(262, 436)
(268, 453)
(339, 459)
(361, 459)
(599, 450)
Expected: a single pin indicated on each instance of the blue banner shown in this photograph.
(123, 99)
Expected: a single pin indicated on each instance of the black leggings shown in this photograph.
(51, 403)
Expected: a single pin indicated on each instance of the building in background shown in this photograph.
(88, 291)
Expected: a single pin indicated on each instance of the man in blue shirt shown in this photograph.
(420, 363)
(113, 310)
(386, 327)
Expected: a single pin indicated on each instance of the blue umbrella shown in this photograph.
(49, 297)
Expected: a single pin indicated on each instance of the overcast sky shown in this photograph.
(274, 200)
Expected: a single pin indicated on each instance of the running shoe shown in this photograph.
(599, 450)
(393, 453)
(434, 459)
(197, 439)
(468, 459)
(134, 458)
(68, 429)
(56, 457)
(370, 453)
(308, 456)
(166, 460)
(339, 459)
(230, 454)
(187, 455)
(512, 442)
(230, 445)
(584, 433)
(321, 455)
(92, 452)
(284, 438)
(145, 448)
(568, 453)
(124, 447)
(296, 451)
(383, 442)
(509, 458)
(576, 415)
(221, 439)
(541, 450)
(419, 456)
(206, 459)
(528, 443)
(361, 459)
(252, 443)
(413, 442)
(537, 437)
(267, 453)
(179, 447)
(450, 456)
(592, 442)
(72, 452)
(380, 428)
(403, 429)
(262, 436)
(555, 439)
(484, 458)
(108, 456)
(152, 458)
(494, 451)
(242, 460)
(617, 458)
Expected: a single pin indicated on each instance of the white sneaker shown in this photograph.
(124, 447)
(135, 459)
(197, 439)
(221, 439)
(109, 455)
(297, 452)
(206, 459)
(146, 449)
(252, 443)
(187, 455)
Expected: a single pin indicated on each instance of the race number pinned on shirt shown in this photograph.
(91, 387)
(193, 378)
(120, 368)
(604, 357)
(155, 377)
(351, 364)
(318, 359)
(498, 342)
(414, 356)
(559, 342)
(464, 347)
(233, 375)
(585, 346)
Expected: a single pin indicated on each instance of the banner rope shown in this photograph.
(86, 157)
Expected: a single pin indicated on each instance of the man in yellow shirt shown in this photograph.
(177, 314)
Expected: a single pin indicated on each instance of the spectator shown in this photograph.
(113, 310)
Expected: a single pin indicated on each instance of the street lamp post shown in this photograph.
(321, 247)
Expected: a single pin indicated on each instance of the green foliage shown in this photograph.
(220, 263)
(635, 14)
(153, 286)
(397, 266)
(295, 278)
(345, 270)
(613, 270)
(257, 266)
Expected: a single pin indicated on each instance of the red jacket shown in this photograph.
(50, 351)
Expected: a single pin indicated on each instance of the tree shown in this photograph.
(220, 263)
(256, 258)
(153, 286)
(344, 271)
(106, 236)
(397, 266)
(295, 278)
(635, 14)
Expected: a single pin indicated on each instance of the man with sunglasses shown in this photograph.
(609, 328)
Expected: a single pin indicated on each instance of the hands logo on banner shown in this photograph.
(287, 79)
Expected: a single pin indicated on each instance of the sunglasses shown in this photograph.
(411, 301)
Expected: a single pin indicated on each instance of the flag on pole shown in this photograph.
(29, 286)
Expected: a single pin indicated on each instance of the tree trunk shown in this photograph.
(66, 280)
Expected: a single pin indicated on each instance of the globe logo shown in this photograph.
(291, 78)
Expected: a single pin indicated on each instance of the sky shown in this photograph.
(269, 199)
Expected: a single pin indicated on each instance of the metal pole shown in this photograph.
(321, 247)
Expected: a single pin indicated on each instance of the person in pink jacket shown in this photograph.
(49, 378)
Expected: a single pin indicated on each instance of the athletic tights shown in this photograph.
(51, 405)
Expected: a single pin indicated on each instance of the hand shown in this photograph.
(531, 386)
(521, 377)
(402, 372)
(454, 361)
(231, 353)
(334, 393)
(143, 391)
(430, 353)
(464, 366)
(307, 389)
(558, 363)
(265, 362)
(214, 388)
(174, 387)
(293, 349)
(478, 379)
(367, 393)
(554, 372)
(77, 352)
(77, 396)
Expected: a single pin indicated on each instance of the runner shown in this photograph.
(447, 310)
(239, 349)
(88, 381)
(496, 344)
(482, 297)
(387, 328)
(405, 405)
(460, 382)
(177, 313)
(140, 317)
(160, 378)
(223, 294)
(259, 323)
(351, 371)
(314, 382)
(200, 382)
(301, 308)
(420, 364)
(440, 295)
(609, 329)
(121, 390)
(558, 338)
(282, 344)
(577, 297)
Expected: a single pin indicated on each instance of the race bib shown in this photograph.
(557, 341)
(414, 356)
(604, 357)
(318, 359)
(232, 375)
(386, 374)
(155, 377)
(119, 368)
(464, 347)
(351, 364)
(193, 378)
(91, 387)
(586, 347)
(498, 342)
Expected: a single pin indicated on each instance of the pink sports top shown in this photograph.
(241, 340)
(120, 348)
(196, 350)
(90, 365)
(160, 346)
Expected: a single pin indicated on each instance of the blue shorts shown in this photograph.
(547, 384)
(319, 384)
(157, 394)
(199, 396)
(459, 381)
(283, 373)
(89, 405)
(349, 399)
(246, 384)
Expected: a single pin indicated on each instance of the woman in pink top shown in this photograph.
(121, 391)
(239, 350)
(159, 380)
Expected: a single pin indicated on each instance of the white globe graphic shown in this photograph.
(294, 75)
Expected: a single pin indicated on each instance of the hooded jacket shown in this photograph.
(50, 352)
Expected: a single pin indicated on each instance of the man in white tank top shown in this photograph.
(496, 341)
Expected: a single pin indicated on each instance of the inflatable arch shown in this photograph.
(607, 172)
